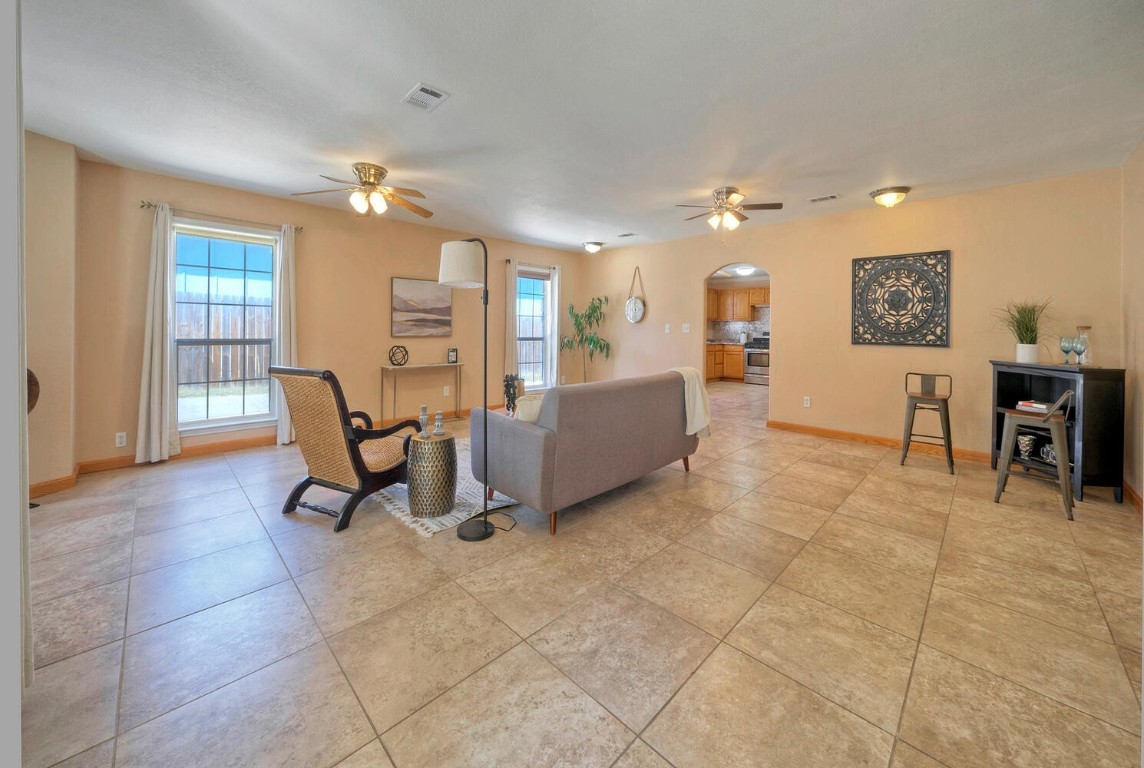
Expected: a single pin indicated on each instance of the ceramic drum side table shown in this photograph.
(432, 468)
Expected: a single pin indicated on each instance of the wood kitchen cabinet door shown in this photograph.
(742, 305)
(710, 363)
(733, 363)
(758, 297)
(712, 304)
(717, 369)
(726, 305)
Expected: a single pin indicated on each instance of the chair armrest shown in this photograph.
(357, 434)
(363, 416)
(520, 458)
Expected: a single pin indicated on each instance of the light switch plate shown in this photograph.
(686, 328)
(667, 327)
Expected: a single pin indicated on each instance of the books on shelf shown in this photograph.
(1033, 406)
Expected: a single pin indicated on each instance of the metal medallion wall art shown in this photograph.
(901, 300)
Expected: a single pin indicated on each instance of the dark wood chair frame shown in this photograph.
(1055, 424)
(369, 482)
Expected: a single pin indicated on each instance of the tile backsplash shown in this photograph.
(729, 330)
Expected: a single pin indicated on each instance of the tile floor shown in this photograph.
(793, 601)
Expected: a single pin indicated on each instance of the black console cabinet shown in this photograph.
(1095, 425)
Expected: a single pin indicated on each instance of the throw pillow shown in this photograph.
(528, 408)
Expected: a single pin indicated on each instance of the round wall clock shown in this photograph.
(634, 309)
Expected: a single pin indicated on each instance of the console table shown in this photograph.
(396, 369)
(1095, 425)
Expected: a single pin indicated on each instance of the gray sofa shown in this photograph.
(588, 439)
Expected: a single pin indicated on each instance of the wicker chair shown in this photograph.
(339, 455)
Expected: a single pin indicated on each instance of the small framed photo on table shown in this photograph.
(452, 355)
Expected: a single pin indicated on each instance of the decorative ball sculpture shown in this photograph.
(398, 355)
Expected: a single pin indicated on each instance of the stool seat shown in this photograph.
(922, 394)
(1053, 425)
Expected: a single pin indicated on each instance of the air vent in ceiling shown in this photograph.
(823, 199)
(627, 234)
(425, 96)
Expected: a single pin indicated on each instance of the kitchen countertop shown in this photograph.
(726, 343)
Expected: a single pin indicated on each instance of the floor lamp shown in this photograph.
(464, 265)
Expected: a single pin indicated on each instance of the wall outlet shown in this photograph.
(686, 328)
(446, 392)
(120, 439)
(667, 327)
(806, 402)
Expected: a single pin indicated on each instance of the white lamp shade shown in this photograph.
(377, 202)
(462, 265)
(359, 201)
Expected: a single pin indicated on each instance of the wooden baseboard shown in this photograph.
(464, 413)
(888, 442)
(1133, 497)
(52, 486)
(188, 452)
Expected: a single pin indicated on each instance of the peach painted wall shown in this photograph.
(344, 266)
(50, 288)
(1132, 278)
(1058, 238)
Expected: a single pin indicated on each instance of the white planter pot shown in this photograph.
(1026, 353)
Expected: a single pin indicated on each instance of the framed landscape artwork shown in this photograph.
(901, 300)
(421, 308)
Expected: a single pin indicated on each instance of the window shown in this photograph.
(224, 323)
(536, 341)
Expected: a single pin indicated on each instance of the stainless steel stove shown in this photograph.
(757, 360)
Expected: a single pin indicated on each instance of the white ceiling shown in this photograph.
(581, 120)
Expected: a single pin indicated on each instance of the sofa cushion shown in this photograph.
(528, 408)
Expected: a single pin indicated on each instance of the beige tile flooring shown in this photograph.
(793, 601)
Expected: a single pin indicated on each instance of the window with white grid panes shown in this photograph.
(224, 325)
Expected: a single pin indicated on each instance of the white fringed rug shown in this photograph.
(470, 496)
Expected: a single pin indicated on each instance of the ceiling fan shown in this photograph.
(367, 193)
(728, 208)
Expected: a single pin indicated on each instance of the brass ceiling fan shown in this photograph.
(728, 208)
(368, 194)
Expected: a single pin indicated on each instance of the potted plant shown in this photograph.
(1023, 319)
(586, 336)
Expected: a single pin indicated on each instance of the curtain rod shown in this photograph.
(149, 204)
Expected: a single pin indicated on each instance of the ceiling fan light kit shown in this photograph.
(368, 194)
(889, 196)
(727, 211)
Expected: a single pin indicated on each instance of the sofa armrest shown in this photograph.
(521, 458)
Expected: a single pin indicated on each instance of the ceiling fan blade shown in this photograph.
(409, 206)
(682, 205)
(740, 217)
(762, 207)
(406, 191)
(322, 191)
(338, 181)
(697, 216)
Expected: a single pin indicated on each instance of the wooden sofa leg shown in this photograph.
(686, 464)
(552, 523)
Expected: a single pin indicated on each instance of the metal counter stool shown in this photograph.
(927, 397)
(1052, 424)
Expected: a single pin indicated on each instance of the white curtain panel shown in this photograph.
(285, 328)
(510, 347)
(158, 427)
(552, 322)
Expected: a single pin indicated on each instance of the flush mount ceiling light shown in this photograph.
(744, 271)
(593, 247)
(889, 196)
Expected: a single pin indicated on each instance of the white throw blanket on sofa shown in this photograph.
(695, 402)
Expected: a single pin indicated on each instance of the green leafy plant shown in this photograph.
(1023, 319)
(586, 336)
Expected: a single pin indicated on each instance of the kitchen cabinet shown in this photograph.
(710, 368)
(726, 305)
(733, 362)
(712, 304)
(742, 306)
(760, 296)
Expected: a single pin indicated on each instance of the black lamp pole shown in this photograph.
(474, 529)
